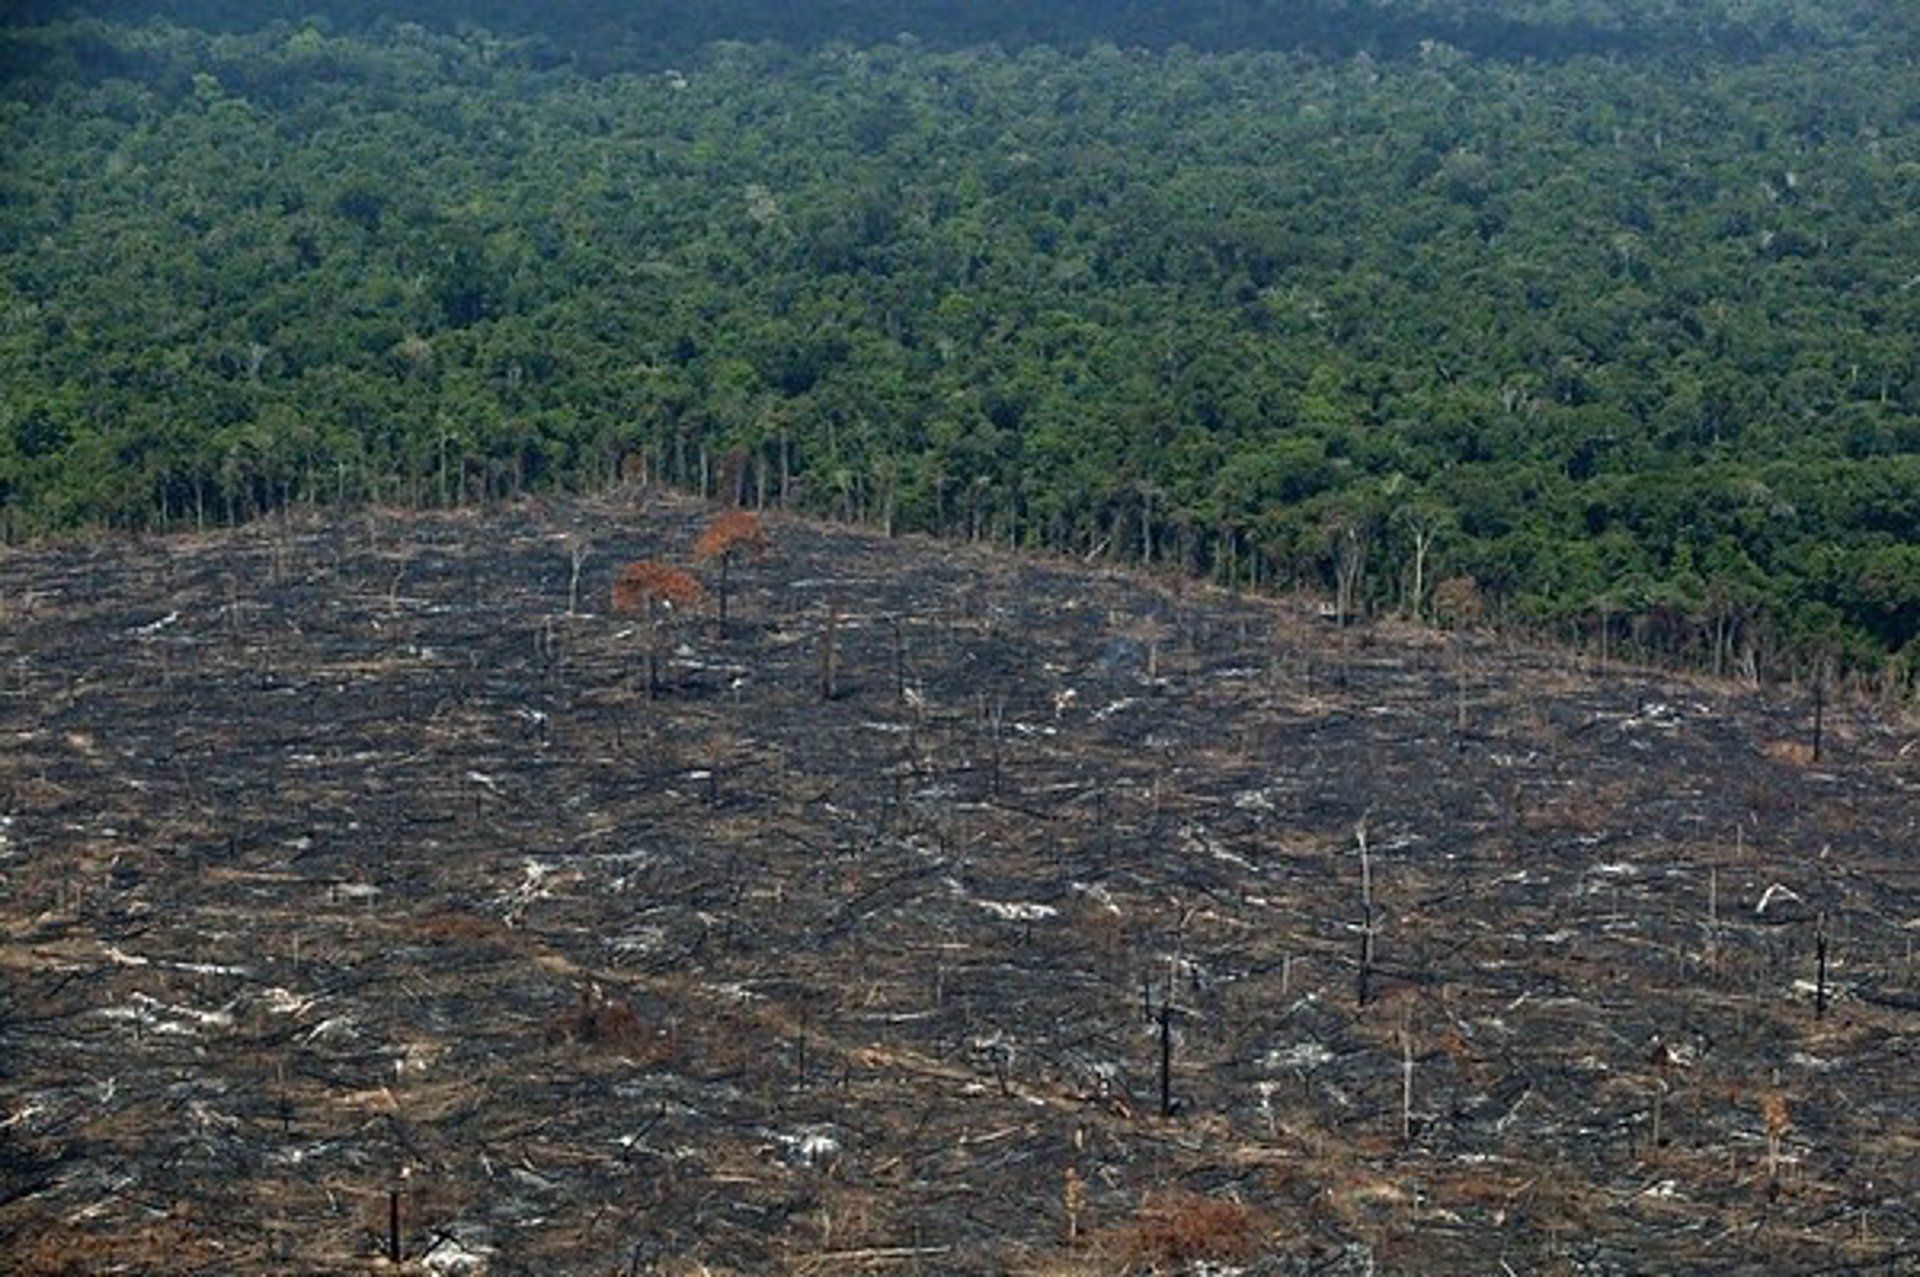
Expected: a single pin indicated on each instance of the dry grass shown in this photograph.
(1175, 1229)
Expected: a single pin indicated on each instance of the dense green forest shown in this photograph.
(602, 35)
(1611, 308)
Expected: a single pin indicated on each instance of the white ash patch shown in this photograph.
(450, 1257)
(278, 1001)
(1811, 989)
(1195, 838)
(415, 1058)
(808, 1146)
(1097, 892)
(534, 885)
(1660, 716)
(1302, 1057)
(332, 1026)
(163, 1019)
(1018, 910)
(1254, 800)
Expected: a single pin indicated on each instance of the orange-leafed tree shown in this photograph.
(730, 536)
(654, 592)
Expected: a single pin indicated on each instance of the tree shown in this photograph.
(578, 548)
(727, 537)
(653, 592)
(1114, 344)
(1457, 603)
(1350, 538)
(1425, 524)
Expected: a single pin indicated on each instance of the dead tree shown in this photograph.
(1820, 972)
(1349, 565)
(394, 1253)
(1663, 1060)
(1406, 1075)
(899, 661)
(993, 718)
(1424, 524)
(653, 592)
(578, 548)
(726, 538)
(1166, 1059)
(829, 657)
(1160, 1014)
(1365, 990)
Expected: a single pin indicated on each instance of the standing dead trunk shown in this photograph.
(1819, 711)
(1406, 1079)
(654, 628)
(577, 551)
(1365, 990)
(829, 659)
(1820, 974)
(1349, 564)
(1166, 1059)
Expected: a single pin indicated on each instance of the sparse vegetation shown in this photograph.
(730, 536)
(656, 593)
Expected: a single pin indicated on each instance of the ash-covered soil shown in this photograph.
(337, 861)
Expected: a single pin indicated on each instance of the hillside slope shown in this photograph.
(337, 858)
(1628, 340)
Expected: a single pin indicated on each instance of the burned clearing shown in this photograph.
(351, 870)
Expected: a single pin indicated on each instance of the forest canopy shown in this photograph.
(1610, 307)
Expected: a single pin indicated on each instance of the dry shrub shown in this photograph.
(639, 585)
(735, 532)
(602, 1023)
(1178, 1228)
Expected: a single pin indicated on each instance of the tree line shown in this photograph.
(1628, 341)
